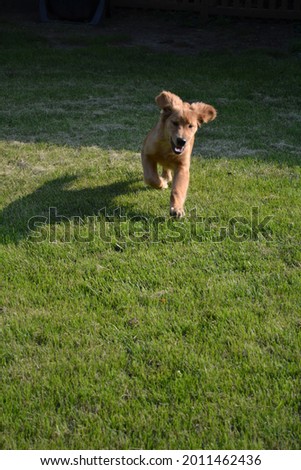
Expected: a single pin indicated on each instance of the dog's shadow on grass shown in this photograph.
(57, 199)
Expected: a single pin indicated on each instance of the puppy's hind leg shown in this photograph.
(151, 176)
(167, 175)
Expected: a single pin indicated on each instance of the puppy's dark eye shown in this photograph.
(190, 126)
(175, 123)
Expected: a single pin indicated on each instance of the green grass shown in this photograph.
(171, 340)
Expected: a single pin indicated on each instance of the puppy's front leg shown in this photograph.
(151, 176)
(179, 191)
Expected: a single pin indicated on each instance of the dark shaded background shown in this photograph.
(19, 5)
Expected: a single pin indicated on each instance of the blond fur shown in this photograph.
(178, 122)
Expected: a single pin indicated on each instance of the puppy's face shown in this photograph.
(180, 127)
(181, 120)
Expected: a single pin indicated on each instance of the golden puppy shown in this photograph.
(170, 144)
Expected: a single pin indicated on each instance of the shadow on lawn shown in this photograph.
(67, 203)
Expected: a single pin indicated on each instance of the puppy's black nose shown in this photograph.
(181, 142)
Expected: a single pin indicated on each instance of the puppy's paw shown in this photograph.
(177, 212)
(164, 183)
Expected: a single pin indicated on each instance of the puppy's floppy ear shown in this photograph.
(205, 112)
(168, 101)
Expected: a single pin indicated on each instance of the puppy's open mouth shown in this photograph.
(177, 150)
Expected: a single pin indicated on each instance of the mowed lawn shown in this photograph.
(122, 328)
